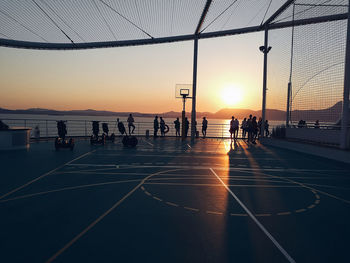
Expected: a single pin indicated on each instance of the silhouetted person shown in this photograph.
(301, 124)
(177, 127)
(267, 132)
(204, 127)
(254, 130)
(235, 128)
(187, 126)
(155, 126)
(259, 126)
(131, 123)
(62, 129)
(162, 127)
(121, 127)
(37, 132)
(317, 124)
(232, 122)
(250, 128)
(244, 128)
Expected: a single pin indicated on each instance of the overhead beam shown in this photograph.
(139, 42)
(204, 14)
(278, 12)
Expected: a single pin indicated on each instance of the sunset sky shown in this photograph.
(134, 78)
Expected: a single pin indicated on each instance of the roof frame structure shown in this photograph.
(197, 34)
(204, 14)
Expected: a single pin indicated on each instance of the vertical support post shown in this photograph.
(345, 114)
(288, 112)
(263, 110)
(288, 103)
(194, 90)
(85, 129)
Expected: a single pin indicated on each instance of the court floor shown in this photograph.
(172, 201)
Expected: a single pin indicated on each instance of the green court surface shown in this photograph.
(172, 201)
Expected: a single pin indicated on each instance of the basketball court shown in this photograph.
(172, 201)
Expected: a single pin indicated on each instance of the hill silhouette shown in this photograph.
(330, 114)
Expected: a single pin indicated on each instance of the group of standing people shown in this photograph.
(250, 128)
(187, 126)
(159, 125)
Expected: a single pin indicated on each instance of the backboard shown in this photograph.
(183, 90)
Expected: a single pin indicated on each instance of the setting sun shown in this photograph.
(231, 95)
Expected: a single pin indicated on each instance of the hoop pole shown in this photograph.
(194, 89)
(263, 110)
(183, 115)
(345, 114)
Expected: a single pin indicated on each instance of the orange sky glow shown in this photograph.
(134, 78)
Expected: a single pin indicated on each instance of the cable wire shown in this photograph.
(99, 11)
(218, 16)
(31, 31)
(52, 20)
(64, 22)
(262, 21)
(126, 18)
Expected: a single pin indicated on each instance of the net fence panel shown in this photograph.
(318, 72)
(231, 14)
(278, 72)
(314, 55)
(304, 9)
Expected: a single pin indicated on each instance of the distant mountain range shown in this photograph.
(328, 114)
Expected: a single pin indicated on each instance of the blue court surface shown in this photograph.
(172, 201)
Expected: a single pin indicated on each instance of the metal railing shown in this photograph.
(83, 128)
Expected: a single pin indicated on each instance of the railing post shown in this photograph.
(47, 130)
(85, 128)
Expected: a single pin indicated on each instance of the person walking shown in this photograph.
(187, 126)
(235, 128)
(204, 127)
(155, 127)
(162, 127)
(131, 123)
(177, 127)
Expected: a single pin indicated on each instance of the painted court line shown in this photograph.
(67, 188)
(46, 174)
(274, 241)
(77, 237)
(148, 143)
(202, 167)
